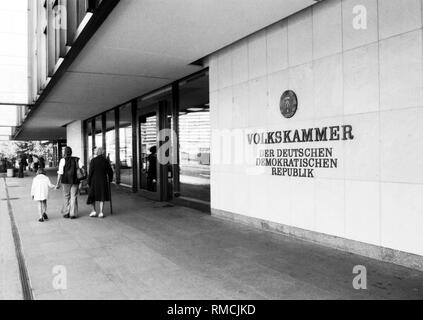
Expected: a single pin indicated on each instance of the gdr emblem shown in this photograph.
(289, 104)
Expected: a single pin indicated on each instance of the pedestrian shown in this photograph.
(22, 165)
(152, 169)
(39, 193)
(3, 165)
(99, 177)
(36, 163)
(30, 162)
(42, 163)
(68, 179)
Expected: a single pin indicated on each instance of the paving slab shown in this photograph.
(149, 250)
(10, 285)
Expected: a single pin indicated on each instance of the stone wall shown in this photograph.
(370, 79)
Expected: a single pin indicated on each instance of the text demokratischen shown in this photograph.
(299, 162)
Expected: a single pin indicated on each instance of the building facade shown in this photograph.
(369, 79)
(302, 118)
(54, 28)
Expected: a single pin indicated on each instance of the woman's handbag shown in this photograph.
(81, 174)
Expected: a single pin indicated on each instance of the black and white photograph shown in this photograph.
(211, 155)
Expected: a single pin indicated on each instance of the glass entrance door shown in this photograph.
(149, 167)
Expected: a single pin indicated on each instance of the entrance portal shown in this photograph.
(148, 152)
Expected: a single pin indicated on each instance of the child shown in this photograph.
(39, 192)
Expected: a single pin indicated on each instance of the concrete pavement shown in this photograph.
(151, 250)
(10, 285)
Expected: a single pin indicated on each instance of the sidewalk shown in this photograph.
(10, 286)
(151, 250)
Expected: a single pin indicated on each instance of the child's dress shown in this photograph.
(40, 187)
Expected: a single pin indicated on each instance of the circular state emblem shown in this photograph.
(289, 104)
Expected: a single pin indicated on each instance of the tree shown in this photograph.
(8, 149)
(13, 149)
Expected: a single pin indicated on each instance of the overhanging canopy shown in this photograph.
(144, 45)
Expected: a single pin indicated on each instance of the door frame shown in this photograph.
(141, 113)
(162, 185)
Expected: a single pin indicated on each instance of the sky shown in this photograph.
(13, 58)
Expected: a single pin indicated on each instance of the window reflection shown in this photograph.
(149, 108)
(194, 138)
(98, 132)
(111, 138)
(89, 140)
(148, 130)
(125, 145)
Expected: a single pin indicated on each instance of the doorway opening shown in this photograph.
(194, 135)
(148, 151)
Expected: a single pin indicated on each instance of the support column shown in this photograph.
(75, 139)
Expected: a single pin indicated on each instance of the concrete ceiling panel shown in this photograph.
(146, 44)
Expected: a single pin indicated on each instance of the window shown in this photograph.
(111, 138)
(42, 51)
(93, 4)
(148, 150)
(194, 138)
(89, 140)
(98, 132)
(81, 10)
(57, 29)
(125, 145)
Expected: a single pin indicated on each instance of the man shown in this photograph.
(152, 169)
(67, 177)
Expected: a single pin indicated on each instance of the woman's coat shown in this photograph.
(99, 174)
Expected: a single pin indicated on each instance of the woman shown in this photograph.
(99, 177)
(67, 177)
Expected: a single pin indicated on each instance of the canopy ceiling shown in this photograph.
(144, 45)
